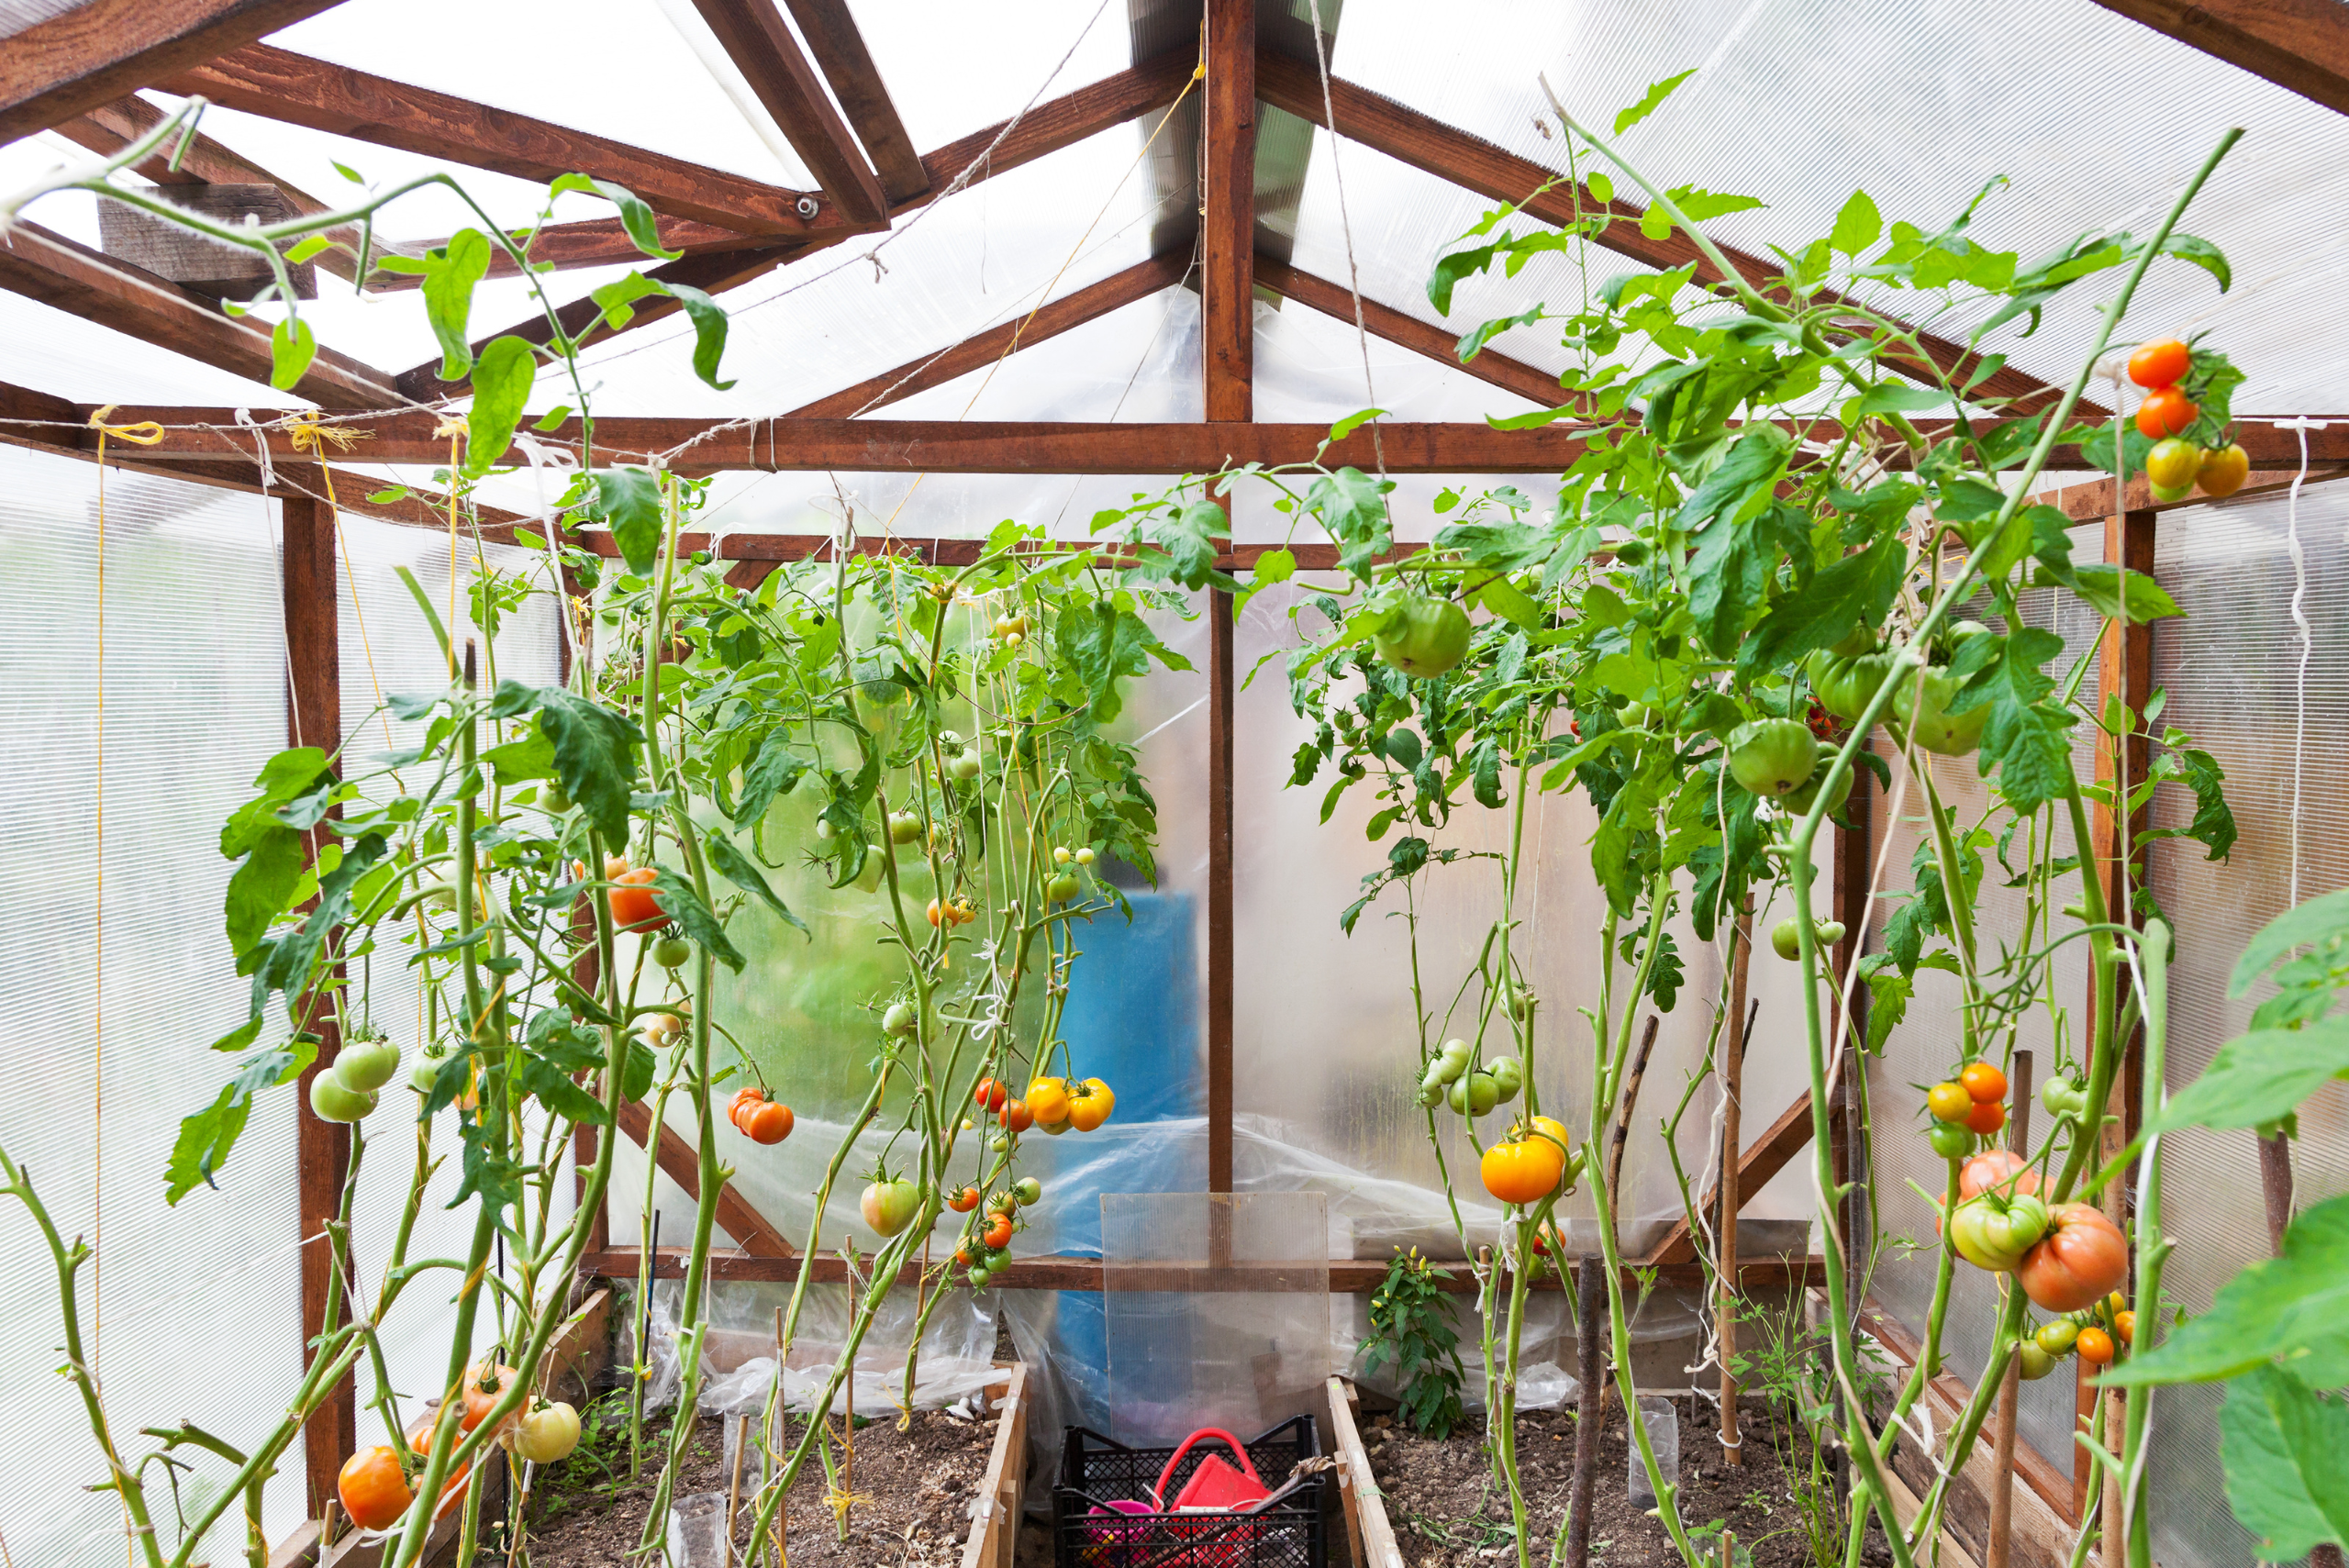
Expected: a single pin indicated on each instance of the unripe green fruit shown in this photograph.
(365, 1066)
(1424, 637)
(898, 1020)
(333, 1100)
(671, 952)
(904, 827)
(1476, 1094)
(1772, 756)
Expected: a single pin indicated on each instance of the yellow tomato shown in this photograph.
(1524, 1171)
(1048, 1099)
(1089, 1105)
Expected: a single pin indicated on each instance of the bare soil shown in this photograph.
(1446, 1513)
(913, 1491)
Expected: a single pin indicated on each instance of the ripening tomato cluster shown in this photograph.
(1056, 1104)
(985, 1251)
(2165, 368)
(1970, 1106)
(2097, 1334)
(2066, 1257)
(374, 1485)
(1474, 1091)
(346, 1091)
(759, 1118)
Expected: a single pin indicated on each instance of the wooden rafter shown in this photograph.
(1227, 189)
(82, 281)
(839, 47)
(1475, 165)
(1408, 331)
(755, 38)
(1072, 310)
(2301, 45)
(67, 65)
(281, 85)
(1050, 126)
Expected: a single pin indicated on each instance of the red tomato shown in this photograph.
(375, 1492)
(2159, 363)
(1015, 1115)
(990, 1095)
(1986, 1116)
(484, 1385)
(2000, 1168)
(633, 905)
(964, 1201)
(2081, 1259)
(770, 1123)
(2167, 412)
(1983, 1081)
(999, 1231)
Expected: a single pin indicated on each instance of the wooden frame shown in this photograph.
(2301, 45)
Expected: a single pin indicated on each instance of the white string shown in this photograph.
(2308, 639)
(1345, 224)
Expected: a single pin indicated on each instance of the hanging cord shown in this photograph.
(454, 427)
(1345, 224)
(2308, 639)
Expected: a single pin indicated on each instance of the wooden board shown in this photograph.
(2301, 45)
(677, 1159)
(101, 49)
(995, 1534)
(1372, 1537)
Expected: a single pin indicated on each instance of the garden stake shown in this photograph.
(734, 1484)
(1630, 1100)
(1590, 1415)
(2002, 1460)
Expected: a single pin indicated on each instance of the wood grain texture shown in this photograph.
(995, 1534)
(2301, 45)
(1449, 153)
(841, 54)
(1404, 331)
(1366, 1508)
(751, 1230)
(1068, 312)
(1222, 995)
(74, 278)
(68, 64)
(280, 85)
(753, 34)
(1228, 235)
(2088, 502)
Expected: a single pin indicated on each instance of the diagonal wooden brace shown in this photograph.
(677, 1157)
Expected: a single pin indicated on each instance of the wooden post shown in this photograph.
(1732, 1078)
(1590, 1302)
(314, 717)
(2002, 1465)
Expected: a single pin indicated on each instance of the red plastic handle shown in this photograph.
(1158, 1493)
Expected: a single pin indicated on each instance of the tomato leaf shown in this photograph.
(502, 381)
(2026, 739)
(207, 1136)
(1473, 344)
(292, 346)
(636, 217)
(2294, 1306)
(627, 501)
(709, 322)
(1855, 591)
(772, 772)
(2259, 1078)
(681, 903)
(743, 873)
(1101, 643)
(595, 756)
(450, 272)
(1858, 226)
(1656, 94)
(2286, 1455)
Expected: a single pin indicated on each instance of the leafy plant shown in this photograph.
(1411, 1333)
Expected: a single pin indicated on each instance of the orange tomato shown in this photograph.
(2167, 412)
(1048, 1099)
(373, 1490)
(933, 912)
(2159, 363)
(1523, 1171)
(633, 905)
(1986, 1116)
(2125, 1325)
(964, 1201)
(1015, 1115)
(484, 1385)
(769, 1123)
(2083, 1256)
(2094, 1346)
(1983, 1081)
(999, 1231)
(1089, 1104)
(2000, 1168)
(748, 1096)
(2223, 470)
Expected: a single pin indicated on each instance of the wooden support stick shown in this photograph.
(1624, 1113)
(734, 1484)
(1732, 1079)
(1590, 1301)
(2002, 1466)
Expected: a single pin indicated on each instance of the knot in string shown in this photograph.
(309, 432)
(146, 433)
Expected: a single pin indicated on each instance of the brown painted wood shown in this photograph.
(917, 446)
(1070, 311)
(1763, 1158)
(2301, 45)
(1408, 332)
(2007, 1423)
(1449, 153)
(751, 1230)
(754, 36)
(1222, 704)
(68, 64)
(2124, 670)
(841, 54)
(314, 717)
(72, 277)
(1227, 186)
(2089, 502)
(280, 85)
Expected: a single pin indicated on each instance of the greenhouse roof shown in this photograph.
(980, 185)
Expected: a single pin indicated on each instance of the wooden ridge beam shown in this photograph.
(1470, 161)
(1059, 123)
(682, 1165)
(756, 39)
(1227, 192)
(1759, 1161)
(2301, 45)
(1410, 332)
(1070, 311)
(101, 49)
(777, 550)
(281, 85)
(2088, 502)
(74, 278)
(841, 54)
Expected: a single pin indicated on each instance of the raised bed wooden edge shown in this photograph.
(1367, 1531)
(995, 1533)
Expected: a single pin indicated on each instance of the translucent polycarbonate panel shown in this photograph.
(118, 979)
(835, 317)
(1326, 1052)
(1186, 1352)
(1922, 133)
(951, 70)
(2231, 674)
(1310, 368)
(622, 72)
(1929, 1042)
(49, 351)
(1139, 363)
(16, 16)
(388, 648)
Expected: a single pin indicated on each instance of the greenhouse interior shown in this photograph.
(1157, 786)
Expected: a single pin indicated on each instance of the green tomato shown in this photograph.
(367, 1065)
(1845, 685)
(1061, 889)
(1521, 1002)
(1508, 1076)
(2035, 1363)
(1028, 1191)
(898, 1020)
(1798, 799)
(1423, 635)
(1923, 706)
(1786, 939)
(1454, 1057)
(1770, 756)
(1950, 1140)
(1994, 1234)
(333, 1100)
(1431, 1095)
(2172, 493)
(889, 1206)
(2063, 1096)
(1476, 1094)
(2056, 1339)
(1854, 643)
(671, 952)
(904, 827)
(964, 766)
(427, 1069)
(2173, 464)
(868, 876)
(554, 798)
(977, 1275)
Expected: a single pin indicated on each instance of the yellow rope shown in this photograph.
(309, 435)
(454, 427)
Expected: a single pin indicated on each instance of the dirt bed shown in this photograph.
(913, 1489)
(1446, 1515)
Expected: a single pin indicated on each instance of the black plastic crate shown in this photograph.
(1096, 1471)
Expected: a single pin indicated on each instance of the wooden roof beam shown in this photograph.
(68, 64)
(839, 47)
(757, 39)
(1228, 188)
(82, 281)
(294, 88)
(2300, 45)
(1470, 161)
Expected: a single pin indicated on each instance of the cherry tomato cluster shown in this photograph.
(1970, 1106)
(760, 1120)
(2096, 1334)
(985, 1250)
(1056, 1104)
(1472, 1092)
(2165, 368)
(958, 912)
